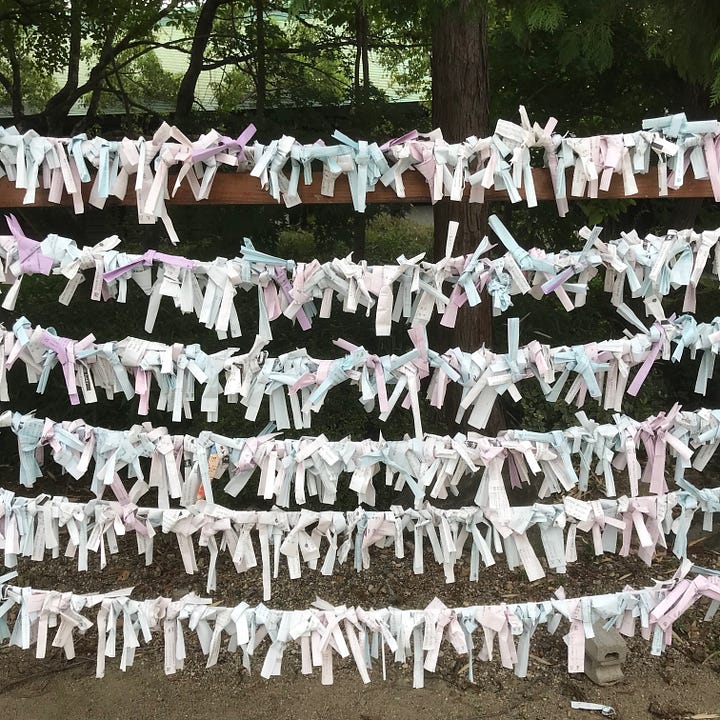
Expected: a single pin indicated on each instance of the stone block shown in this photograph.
(604, 655)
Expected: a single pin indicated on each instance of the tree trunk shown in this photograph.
(58, 106)
(261, 72)
(365, 31)
(201, 37)
(697, 104)
(362, 59)
(359, 235)
(16, 99)
(460, 108)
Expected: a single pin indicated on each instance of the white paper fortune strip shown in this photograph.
(324, 631)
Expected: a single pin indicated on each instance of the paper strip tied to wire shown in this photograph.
(435, 466)
(34, 527)
(324, 631)
(600, 370)
(501, 161)
(412, 289)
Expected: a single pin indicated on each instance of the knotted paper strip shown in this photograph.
(412, 289)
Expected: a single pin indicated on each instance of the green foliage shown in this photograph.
(684, 36)
(410, 71)
(599, 211)
(574, 46)
(583, 31)
(595, 72)
(304, 61)
(545, 15)
(86, 44)
(142, 83)
(38, 86)
(233, 90)
(594, 66)
(294, 81)
(296, 243)
(389, 236)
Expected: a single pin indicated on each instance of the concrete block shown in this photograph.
(604, 655)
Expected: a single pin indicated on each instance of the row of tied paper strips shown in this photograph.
(675, 260)
(181, 466)
(649, 266)
(31, 527)
(501, 161)
(599, 370)
(504, 528)
(324, 631)
(492, 522)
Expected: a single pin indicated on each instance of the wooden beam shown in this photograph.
(242, 189)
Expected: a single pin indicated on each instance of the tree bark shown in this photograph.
(460, 94)
(359, 235)
(58, 106)
(261, 72)
(362, 59)
(697, 103)
(201, 37)
(365, 31)
(16, 96)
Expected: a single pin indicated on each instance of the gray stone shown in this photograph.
(604, 656)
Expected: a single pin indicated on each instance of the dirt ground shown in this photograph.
(683, 683)
(668, 688)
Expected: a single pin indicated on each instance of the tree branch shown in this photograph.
(129, 102)
(62, 101)
(5, 82)
(59, 105)
(320, 71)
(203, 30)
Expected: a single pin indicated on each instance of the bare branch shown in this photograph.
(130, 102)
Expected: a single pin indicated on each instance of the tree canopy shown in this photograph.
(580, 60)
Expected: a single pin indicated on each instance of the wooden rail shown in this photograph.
(243, 189)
